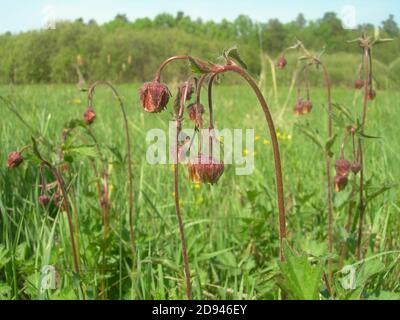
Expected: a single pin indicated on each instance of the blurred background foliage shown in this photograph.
(129, 51)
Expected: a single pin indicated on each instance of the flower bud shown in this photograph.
(154, 96)
(44, 200)
(342, 167)
(205, 169)
(14, 159)
(195, 111)
(89, 116)
(340, 183)
(371, 94)
(356, 167)
(359, 84)
(281, 64)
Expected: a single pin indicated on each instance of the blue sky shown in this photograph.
(22, 15)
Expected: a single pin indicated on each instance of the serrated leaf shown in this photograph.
(300, 279)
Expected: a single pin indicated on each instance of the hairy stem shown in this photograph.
(275, 146)
(361, 207)
(129, 151)
(177, 204)
(165, 63)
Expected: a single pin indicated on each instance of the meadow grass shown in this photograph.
(231, 228)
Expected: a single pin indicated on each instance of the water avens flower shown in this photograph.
(204, 169)
(154, 96)
(44, 200)
(371, 94)
(340, 183)
(359, 84)
(281, 63)
(342, 167)
(89, 116)
(14, 159)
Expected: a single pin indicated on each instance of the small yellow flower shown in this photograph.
(245, 152)
(173, 168)
(221, 139)
(289, 137)
(267, 142)
(257, 138)
(196, 186)
(173, 194)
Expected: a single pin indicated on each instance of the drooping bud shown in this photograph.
(205, 169)
(195, 111)
(154, 96)
(371, 94)
(342, 167)
(281, 64)
(57, 200)
(89, 116)
(14, 159)
(356, 167)
(340, 183)
(359, 84)
(44, 200)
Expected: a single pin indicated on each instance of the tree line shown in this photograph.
(128, 51)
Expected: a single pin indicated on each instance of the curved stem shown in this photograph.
(275, 146)
(177, 204)
(210, 114)
(165, 63)
(129, 151)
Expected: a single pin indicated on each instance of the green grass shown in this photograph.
(231, 228)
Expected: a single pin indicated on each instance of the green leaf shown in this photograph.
(311, 135)
(300, 279)
(199, 67)
(329, 143)
(234, 54)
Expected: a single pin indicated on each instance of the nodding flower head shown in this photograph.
(281, 64)
(89, 116)
(356, 167)
(340, 183)
(44, 200)
(205, 169)
(342, 167)
(359, 84)
(154, 96)
(302, 107)
(307, 106)
(14, 159)
(371, 94)
(195, 111)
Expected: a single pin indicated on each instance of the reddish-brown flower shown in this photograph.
(340, 183)
(205, 169)
(359, 84)
(44, 200)
(371, 94)
(298, 108)
(14, 159)
(281, 64)
(306, 106)
(342, 167)
(89, 116)
(154, 96)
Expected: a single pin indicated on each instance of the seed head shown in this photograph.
(281, 64)
(44, 200)
(359, 84)
(14, 159)
(154, 96)
(89, 116)
(340, 183)
(205, 169)
(371, 94)
(342, 167)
